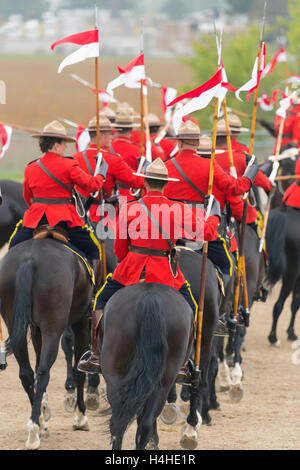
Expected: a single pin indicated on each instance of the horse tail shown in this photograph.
(149, 359)
(22, 307)
(275, 244)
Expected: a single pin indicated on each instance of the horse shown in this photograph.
(12, 208)
(67, 342)
(44, 286)
(286, 167)
(144, 337)
(283, 247)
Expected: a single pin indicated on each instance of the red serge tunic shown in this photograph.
(292, 194)
(129, 152)
(197, 169)
(155, 151)
(37, 184)
(118, 171)
(240, 163)
(135, 228)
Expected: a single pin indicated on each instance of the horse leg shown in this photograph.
(284, 293)
(294, 307)
(80, 330)
(67, 342)
(48, 355)
(170, 412)
(147, 419)
(26, 373)
(45, 409)
(92, 397)
(236, 390)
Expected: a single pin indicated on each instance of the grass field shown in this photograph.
(36, 94)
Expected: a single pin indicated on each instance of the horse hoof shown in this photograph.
(291, 336)
(33, 441)
(70, 402)
(46, 411)
(81, 423)
(152, 445)
(189, 437)
(169, 414)
(92, 401)
(273, 339)
(207, 421)
(184, 409)
(236, 393)
(185, 393)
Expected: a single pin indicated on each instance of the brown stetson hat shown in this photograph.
(205, 146)
(54, 129)
(109, 113)
(188, 131)
(124, 120)
(157, 170)
(235, 124)
(104, 124)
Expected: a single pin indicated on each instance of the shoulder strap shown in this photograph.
(87, 162)
(187, 179)
(60, 183)
(156, 223)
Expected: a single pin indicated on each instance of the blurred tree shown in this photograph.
(30, 8)
(237, 7)
(293, 30)
(239, 55)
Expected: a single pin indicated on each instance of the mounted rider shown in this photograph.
(118, 171)
(147, 251)
(49, 184)
(192, 167)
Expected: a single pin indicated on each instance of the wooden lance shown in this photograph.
(196, 374)
(99, 154)
(241, 268)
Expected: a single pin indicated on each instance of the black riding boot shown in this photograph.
(184, 375)
(90, 361)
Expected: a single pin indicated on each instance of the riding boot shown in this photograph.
(97, 267)
(90, 361)
(184, 375)
(221, 328)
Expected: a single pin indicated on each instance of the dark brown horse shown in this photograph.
(12, 208)
(46, 287)
(283, 247)
(146, 333)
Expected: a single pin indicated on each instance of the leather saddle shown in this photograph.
(46, 231)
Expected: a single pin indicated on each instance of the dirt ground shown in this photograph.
(267, 417)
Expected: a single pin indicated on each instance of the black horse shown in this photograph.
(146, 334)
(283, 247)
(47, 287)
(12, 208)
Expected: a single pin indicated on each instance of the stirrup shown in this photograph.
(85, 366)
(221, 328)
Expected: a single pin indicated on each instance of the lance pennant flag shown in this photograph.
(200, 97)
(280, 56)
(168, 95)
(265, 102)
(285, 103)
(5, 137)
(130, 75)
(82, 139)
(89, 47)
(254, 81)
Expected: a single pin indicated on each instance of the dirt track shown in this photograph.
(267, 417)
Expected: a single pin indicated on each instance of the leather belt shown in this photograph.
(141, 250)
(287, 136)
(51, 200)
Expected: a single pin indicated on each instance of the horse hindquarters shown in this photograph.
(146, 368)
